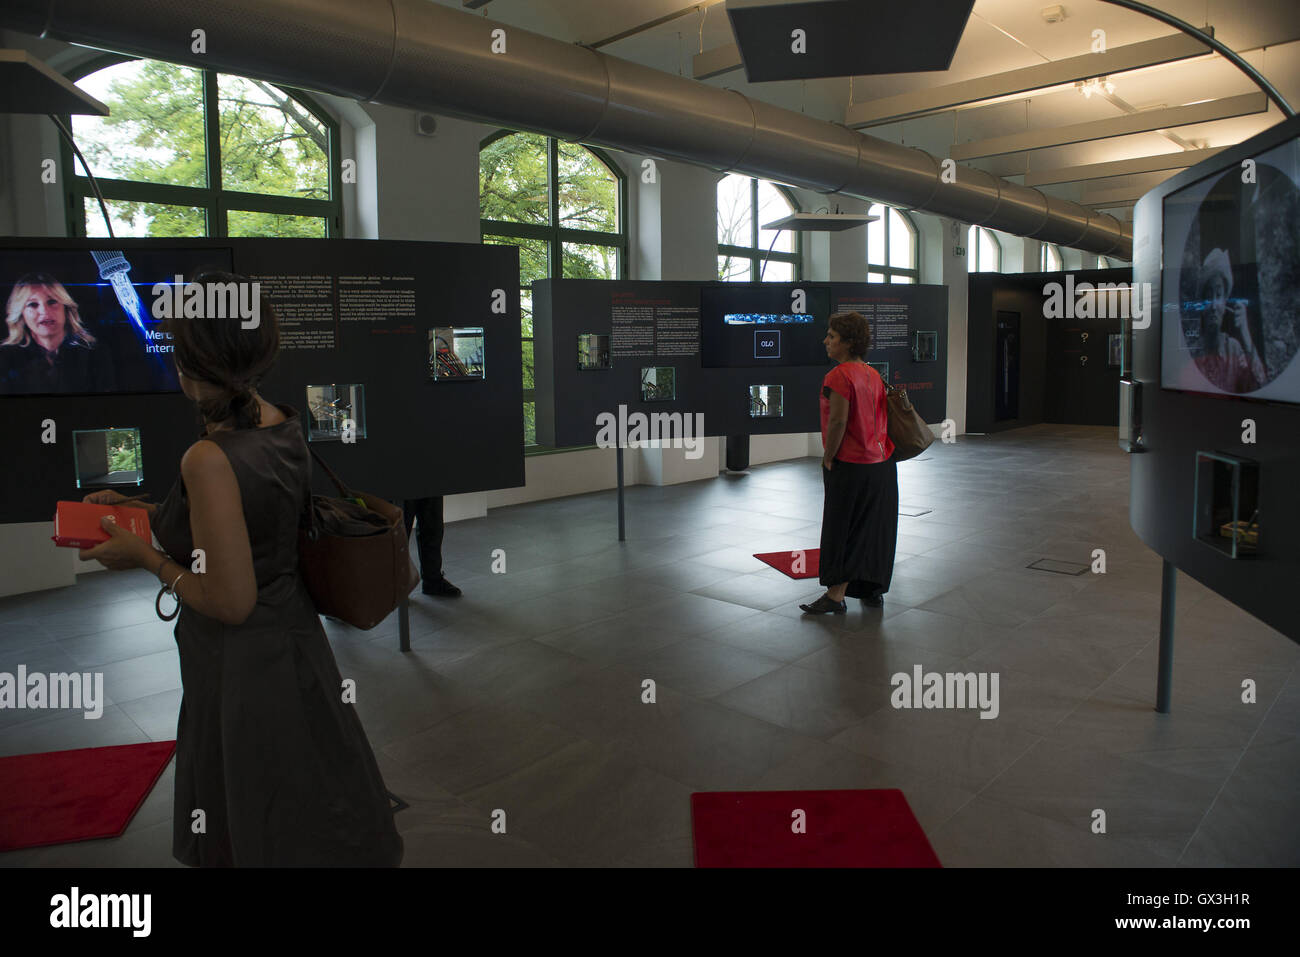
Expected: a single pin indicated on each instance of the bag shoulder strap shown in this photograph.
(344, 491)
(307, 520)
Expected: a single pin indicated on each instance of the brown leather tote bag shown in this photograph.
(907, 430)
(354, 558)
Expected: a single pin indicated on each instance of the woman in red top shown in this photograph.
(860, 515)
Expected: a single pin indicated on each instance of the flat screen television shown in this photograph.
(1230, 280)
(748, 325)
(81, 322)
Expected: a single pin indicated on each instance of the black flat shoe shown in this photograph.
(441, 589)
(875, 601)
(825, 605)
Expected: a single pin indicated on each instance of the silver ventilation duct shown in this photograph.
(426, 56)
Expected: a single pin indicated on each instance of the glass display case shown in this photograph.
(333, 408)
(1227, 504)
(593, 351)
(107, 457)
(658, 384)
(456, 354)
(765, 401)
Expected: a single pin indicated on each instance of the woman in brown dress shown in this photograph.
(272, 767)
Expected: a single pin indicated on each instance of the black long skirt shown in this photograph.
(859, 527)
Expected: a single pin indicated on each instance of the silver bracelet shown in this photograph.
(170, 590)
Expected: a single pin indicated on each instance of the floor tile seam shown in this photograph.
(1130, 837)
(932, 777)
(614, 749)
(639, 606)
(1179, 778)
(824, 740)
(1235, 766)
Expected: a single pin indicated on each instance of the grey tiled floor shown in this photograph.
(525, 695)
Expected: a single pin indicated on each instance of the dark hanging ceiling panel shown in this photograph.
(846, 37)
(29, 86)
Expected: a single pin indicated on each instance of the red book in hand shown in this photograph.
(76, 524)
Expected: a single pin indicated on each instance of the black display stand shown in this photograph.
(737, 453)
(1165, 672)
(355, 318)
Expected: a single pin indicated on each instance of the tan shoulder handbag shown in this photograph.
(354, 558)
(907, 430)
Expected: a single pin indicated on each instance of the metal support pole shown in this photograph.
(1168, 596)
(404, 623)
(618, 457)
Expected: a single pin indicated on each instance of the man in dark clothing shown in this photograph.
(428, 511)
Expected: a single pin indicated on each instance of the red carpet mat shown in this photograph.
(63, 796)
(785, 562)
(836, 829)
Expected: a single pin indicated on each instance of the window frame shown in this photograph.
(973, 248)
(756, 254)
(216, 202)
(555, 236)
(891, 271)
(1043, 264)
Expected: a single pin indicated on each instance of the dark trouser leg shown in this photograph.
(428, 539)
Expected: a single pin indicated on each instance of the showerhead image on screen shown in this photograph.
(748, 325)
(1231, 281)
(80, 322)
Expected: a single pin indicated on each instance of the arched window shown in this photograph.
(745, 205)
(1049, 258)
(983, 251)
(1103, 262)
(892, 247)
(187, 152)
(562, 205)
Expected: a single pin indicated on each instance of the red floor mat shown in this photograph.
(62, 796)
(841, 829)
(784, 562)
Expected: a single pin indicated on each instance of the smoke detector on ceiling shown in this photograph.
(1054, 13)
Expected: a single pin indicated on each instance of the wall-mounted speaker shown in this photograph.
(426, 124)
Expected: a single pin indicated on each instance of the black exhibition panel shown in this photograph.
(622, 329)
(352, 313)
(1045, 347)
(1217, 244)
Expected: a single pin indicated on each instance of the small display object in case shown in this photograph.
(765, 401)
(658, 384)
(456, 354)
(593, 351)
(882, 368)
(338, 413)
(1227, 504)
(107, 457)
(925, 347)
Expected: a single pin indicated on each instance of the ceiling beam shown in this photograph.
(717, 61)
(1144, 122)
(1121, 202)
(656, 22)
(1143, 164)
(1129, 192)
(1132, 56)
